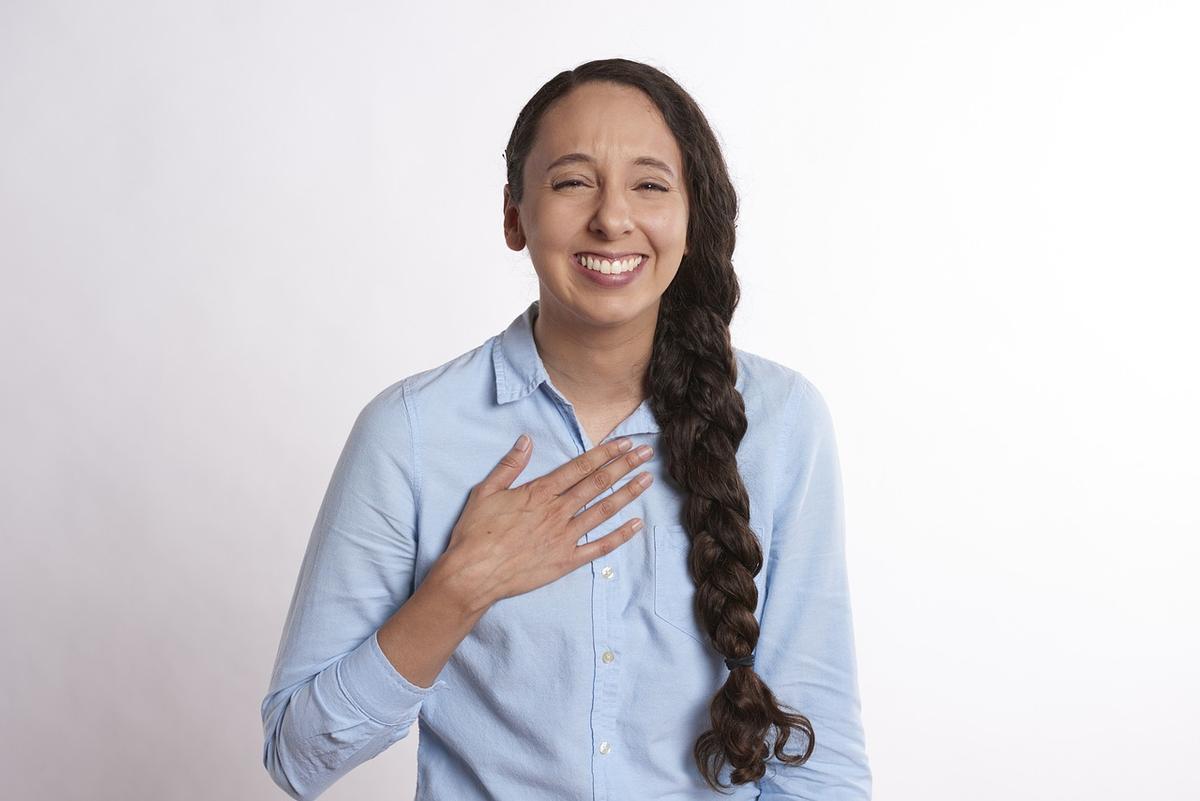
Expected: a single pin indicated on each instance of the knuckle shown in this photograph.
(601, 479)
(583, 465)
(535, 494)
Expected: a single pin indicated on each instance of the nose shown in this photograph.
(611, 219)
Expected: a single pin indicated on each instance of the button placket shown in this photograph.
(608, 675)
(606, 636)
(608, 633)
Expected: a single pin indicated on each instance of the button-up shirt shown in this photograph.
(596, 685)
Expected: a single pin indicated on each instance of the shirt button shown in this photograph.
(605, 747)
(608, 656)
(607, 572)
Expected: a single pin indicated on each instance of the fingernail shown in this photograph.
(625, 444)
(637, 525)
(522, 443)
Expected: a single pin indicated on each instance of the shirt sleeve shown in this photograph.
(806, 652)
(334, 699)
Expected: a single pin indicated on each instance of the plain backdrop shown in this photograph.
(224, 226)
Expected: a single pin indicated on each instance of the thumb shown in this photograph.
(511, 464)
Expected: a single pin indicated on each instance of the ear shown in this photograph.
(514, 237)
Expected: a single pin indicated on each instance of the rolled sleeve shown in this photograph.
(374, 685)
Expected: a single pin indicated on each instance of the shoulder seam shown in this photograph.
(410, 417)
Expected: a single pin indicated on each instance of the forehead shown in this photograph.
(613, 123)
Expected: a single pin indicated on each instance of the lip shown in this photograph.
(610, 281)
(610, 256)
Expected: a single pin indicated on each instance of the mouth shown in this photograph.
(606, 272)
(604, 264)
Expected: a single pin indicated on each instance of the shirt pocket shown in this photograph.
(674, 590)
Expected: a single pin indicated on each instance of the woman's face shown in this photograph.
(619, 191)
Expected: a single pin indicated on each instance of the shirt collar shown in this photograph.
(519, 371)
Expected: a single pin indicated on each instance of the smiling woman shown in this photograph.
(546, 649)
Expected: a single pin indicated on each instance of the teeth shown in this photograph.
(610, 267)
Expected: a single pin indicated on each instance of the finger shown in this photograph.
(505, 473)
(608, 543)
(583, 492)
(587, 520)
(562, 478)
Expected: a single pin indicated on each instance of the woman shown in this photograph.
(561, 629)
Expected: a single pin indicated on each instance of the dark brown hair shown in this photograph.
(690, 385)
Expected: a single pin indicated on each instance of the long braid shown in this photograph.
(691, 383)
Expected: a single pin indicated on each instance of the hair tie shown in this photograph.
(741, 661)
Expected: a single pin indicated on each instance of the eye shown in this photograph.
(572, 182)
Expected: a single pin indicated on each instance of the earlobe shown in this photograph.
(513, 236)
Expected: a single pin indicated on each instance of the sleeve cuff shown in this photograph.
(374, 685)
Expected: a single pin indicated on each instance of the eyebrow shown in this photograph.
(641, 161)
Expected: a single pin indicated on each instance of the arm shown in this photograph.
(806, 643)
(337, 695)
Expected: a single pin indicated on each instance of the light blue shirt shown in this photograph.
(596, 685)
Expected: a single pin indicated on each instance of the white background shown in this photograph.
(224, 226)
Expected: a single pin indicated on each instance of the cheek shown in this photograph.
(667, 230)
(664, 278)
(554, 222)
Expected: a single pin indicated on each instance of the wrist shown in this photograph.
(453, 580)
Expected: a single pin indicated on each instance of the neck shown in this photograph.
(595, 365)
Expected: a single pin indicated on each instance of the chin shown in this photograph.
(613, 310)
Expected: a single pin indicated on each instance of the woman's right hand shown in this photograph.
(510, 540)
